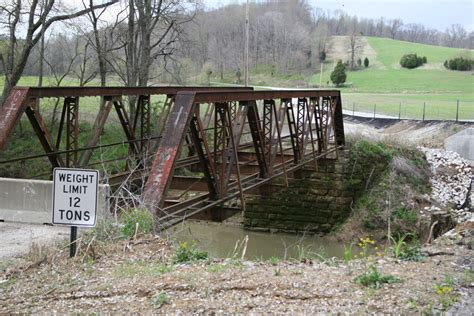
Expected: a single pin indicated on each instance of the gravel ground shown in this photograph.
(138, 276)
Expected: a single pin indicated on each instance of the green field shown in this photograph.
(387, 84)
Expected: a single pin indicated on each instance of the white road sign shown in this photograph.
(75, 197)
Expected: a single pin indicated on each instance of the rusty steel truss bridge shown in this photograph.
(201, 147)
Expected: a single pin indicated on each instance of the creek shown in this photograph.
(220, 239)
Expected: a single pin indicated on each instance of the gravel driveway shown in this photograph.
(17, 237)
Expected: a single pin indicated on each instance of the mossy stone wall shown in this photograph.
(316, 200)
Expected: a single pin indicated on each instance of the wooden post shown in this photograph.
(424, 108)
(457, 110)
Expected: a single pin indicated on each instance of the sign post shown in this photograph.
(75, 200)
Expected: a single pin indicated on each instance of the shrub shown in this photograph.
(366, 62)
(371, 151)
(186, 253)
(374, 279)
(105, 230)
(338, 75)
(160, 299)
(359, 62)
(137, 220)
(411, 61)
(459, 63)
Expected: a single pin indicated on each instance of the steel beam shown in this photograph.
(162, 169)
(10, 113)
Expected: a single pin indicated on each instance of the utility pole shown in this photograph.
(247, 44)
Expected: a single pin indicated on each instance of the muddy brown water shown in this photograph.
(220, 241)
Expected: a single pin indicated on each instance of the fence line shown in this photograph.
(460, 111)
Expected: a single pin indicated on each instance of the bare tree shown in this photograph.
(151, 33)
(60, 58)
(394, 27)
(17, 15)
(456, 36)
(354, 43)
(97, 43)
(83, 71)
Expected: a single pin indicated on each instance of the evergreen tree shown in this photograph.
(322, 56)
(366, 62)
(338, 75)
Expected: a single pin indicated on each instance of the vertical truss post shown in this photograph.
(221, 141)
(325, 113)
(301, 125)
(315, 105)
(268, 119)
(257, 137)
(232, 110)
(142, 115)
(309, 132)
(198, 137)
(293, 130)
(71, 104)
(280, 115)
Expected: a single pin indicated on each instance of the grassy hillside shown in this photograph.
(390, 51)
(391, 78)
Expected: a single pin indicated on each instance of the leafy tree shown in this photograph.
(366, 62)
(338, 75)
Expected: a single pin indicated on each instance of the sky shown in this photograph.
(437, 14)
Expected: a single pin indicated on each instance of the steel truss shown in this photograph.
(236, 139)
